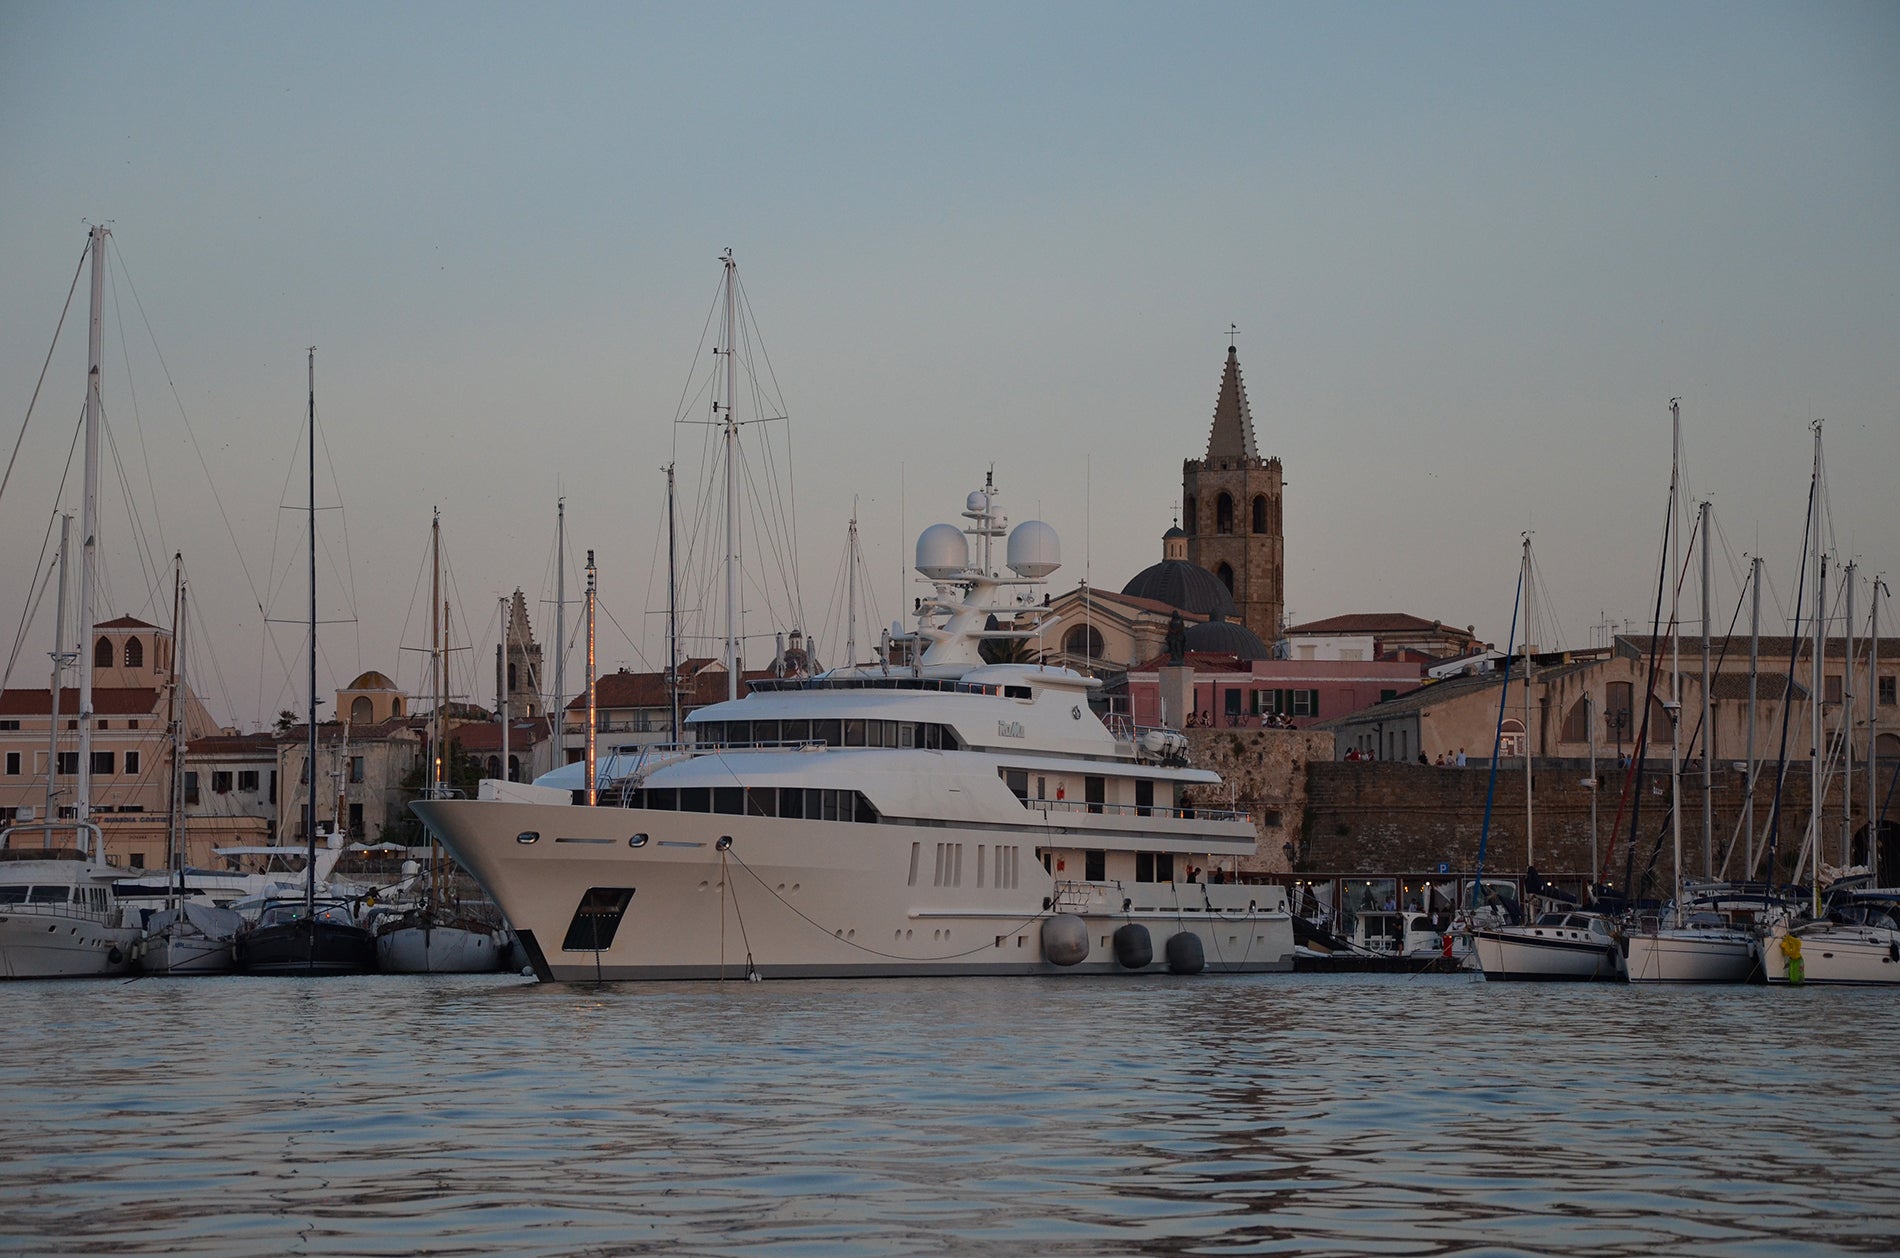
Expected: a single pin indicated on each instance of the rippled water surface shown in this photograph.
(1276, 1114)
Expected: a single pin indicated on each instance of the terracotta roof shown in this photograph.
(372, 680)
(1134, 601)
(700, 684)
(1769, 687)
(486, 736)
(1378, 622)
(1770, 649)
(124, 622)
(233, 745)
(106, 701)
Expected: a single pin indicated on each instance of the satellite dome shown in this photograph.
(942, 552)
(977, 503)
(1034, 550)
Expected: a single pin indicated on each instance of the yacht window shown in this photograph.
(795, 731)
(1095, 866)
(597, 919)
(762, 801)
(791, 802)
(1164, 866)
(664, 798)
(47, 895)
(695, 799)
(14, 894)
(1018, 782)
(874, 734)
(933, 737)
(854, 733)
(729, 799)
(765, 731)
(738, 731)
(1144, 795)
(1016, 692)
(831, 733)
(907, 734)
(1144, 866)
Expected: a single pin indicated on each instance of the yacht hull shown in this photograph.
(297, 949)
(54, 944)
(1693, 956)
(181, 954)
(1509, 955)
(436, 950)
(1863, 956)
(610, 893)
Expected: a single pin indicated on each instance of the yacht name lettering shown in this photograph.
(1009, 729)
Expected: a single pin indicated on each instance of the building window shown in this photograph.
(361, 710)
(1259, 513)
(68, 762)
(131, 763)
(191, 786)
(134, 653)
(13, 764)
(247, 780)
(1083, 640)
(1886, 685)
(1095, 865)
(137, 859)
(356, 768)
(1224, 513)
(221, 782)
(102, 653)
(102, 762)
(1832, 686)
(1226, 574)
(1190, 514)
(9, 725)
(1577, 723)
(356, 821)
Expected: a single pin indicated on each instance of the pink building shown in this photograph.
(1232, 691)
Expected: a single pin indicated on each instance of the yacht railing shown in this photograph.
(1136, 810)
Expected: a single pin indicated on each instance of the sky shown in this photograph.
(1472, 250)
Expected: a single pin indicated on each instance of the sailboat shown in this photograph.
(187, 936)
(58, 918)
(1697, 947)
(307, 935)
(436, 936)
(1563, 943)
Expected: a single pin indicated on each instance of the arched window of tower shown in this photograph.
(1259, 513)
(1190, 514)
(102, 654)
(1226, 574)
(1084, 640)
(1224, 514)
(134, 653)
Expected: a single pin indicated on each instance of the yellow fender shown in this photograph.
(1791, 947)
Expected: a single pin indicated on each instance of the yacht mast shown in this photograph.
(1530, 843)
(672, 610)
(89, 537)
(1873, 732)
(174, 726)
(1709, 728)
(1754, 661)
(592, 719)
(1814, 691)
(851, 586)
(61, 658)
(1847, 728)
(1675, 653)
(560, 629)
(434, 787)
(732, 485)
(310, 763)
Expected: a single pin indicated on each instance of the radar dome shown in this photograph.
(942, 552)
(977, 503)
(1034, 550)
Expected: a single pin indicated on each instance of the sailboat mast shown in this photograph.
(89, 534)
(672, 609)
(1530, 842)
(61, 658)
(1675, 651)
(560, 627)
(501, 678)
(732, 485)
(1847, 726)
(1814, 692)
(592, 716)
(1873, 734)
(1754, 663)
(310, 763)
(1709, 728)
(435, 653)
(174, 854)
(851, 595)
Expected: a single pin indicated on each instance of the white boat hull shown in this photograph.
(166, 953)
(51, 944)
(801, 898)
(1865, 956)
(1693, 956)
(436, 950)
(1511, 954)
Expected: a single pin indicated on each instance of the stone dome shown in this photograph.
(1181, 584)
(372, 680)
(1220, 636)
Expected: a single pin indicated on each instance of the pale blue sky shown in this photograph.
(1472, 249)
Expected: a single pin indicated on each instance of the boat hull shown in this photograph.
(1858, 956)
(166, 953)
(436, 950)
(1693, 956)
(1508, 956)
(613, 893)
(53, 944)
(299, 949)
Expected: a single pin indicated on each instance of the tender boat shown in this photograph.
(942, 815)
(1572, 946)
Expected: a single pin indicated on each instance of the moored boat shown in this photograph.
(1571, 946)
(57, 915)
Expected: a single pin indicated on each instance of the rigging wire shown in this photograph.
(38, 384)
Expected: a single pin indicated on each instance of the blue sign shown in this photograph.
(1444, 867)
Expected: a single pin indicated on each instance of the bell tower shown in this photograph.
(1230, 507)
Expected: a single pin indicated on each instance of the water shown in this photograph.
(1259, 1115)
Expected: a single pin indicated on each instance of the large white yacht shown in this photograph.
(57, 915)
(945, 816)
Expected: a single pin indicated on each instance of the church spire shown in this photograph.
(1232, 436)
